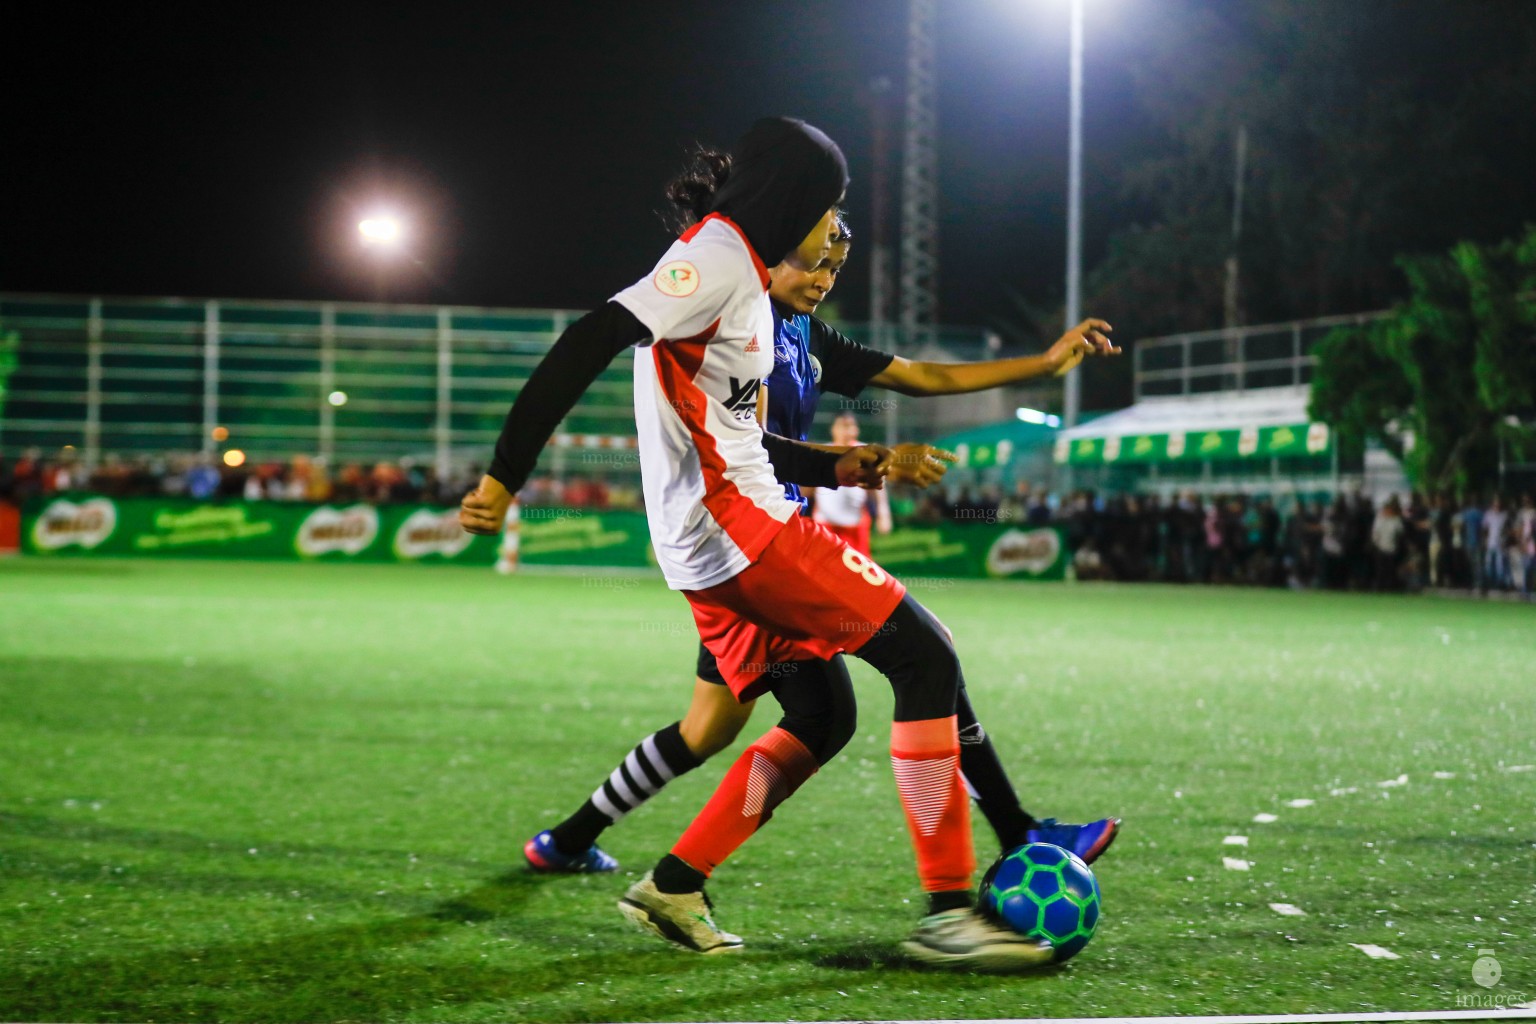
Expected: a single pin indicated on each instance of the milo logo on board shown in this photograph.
(1317, 438)
(431, 532)
(348, 530)
(64, 523)
(1031, 551)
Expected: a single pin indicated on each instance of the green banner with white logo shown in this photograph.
(973, 550)
(77, 525)
(72, 525)
(1305, 439)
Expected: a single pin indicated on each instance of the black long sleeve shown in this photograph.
(571, 365)
(796, 464)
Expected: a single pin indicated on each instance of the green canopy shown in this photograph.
(1269, 423)
(998, 444)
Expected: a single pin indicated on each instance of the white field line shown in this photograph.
(1375, 952)
(1271, 1018)
(1291, 910)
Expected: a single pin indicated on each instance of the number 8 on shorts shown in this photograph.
(859, 563)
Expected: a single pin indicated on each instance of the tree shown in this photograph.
(1450, 374)
(1375, 127)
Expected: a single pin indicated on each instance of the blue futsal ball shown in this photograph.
(1044, 892)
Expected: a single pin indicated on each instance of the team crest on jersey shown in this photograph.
(678, 279)
(815, 369)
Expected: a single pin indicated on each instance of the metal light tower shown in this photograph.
(1073, 399)
(919, 181)
(879, 95)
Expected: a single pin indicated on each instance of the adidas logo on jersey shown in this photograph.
(752, 345)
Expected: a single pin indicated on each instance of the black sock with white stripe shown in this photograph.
(986, 780)
(655, 761)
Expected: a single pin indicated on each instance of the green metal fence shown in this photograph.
(341, 381)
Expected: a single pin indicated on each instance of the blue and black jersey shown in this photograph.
(808, 358)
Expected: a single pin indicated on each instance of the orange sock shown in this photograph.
(925, 756)
(763, 777)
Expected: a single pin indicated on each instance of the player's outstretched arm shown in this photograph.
(566, 371)
(827, 465)
(919, 379)
(921, 465)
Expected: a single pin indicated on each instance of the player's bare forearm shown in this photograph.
(921, 379)
(835, 449)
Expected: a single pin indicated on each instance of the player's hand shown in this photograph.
(921, 465)
(1089, 338)
(484, 509)
(865, 466)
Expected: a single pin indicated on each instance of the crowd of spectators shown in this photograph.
(299, 479)
(1350, 543)
(200, 477)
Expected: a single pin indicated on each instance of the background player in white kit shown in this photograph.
(849, 512)
(511, 536)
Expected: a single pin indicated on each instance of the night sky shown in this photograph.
(229, 150)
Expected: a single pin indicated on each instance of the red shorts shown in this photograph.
(809, 596)
(857, 537)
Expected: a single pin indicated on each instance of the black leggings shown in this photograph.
(911, 649)
(817, 700)
(914, 652)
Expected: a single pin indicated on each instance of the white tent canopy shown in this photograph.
(1193, 414)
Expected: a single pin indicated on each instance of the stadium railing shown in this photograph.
(340, 381)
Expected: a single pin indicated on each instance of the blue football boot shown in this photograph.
(1087, 841)
(543, 855)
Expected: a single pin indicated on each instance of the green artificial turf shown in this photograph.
(254, 792)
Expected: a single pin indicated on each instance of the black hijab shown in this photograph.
(785, 174)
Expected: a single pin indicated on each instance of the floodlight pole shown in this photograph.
(443, 431)
(327, 385)
(210, 376)
(880, 261)
(93, 374)
(1072, 401)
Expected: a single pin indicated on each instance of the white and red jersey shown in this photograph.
(841, 506)
(711, 497)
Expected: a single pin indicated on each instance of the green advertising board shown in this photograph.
(974, 551)
(575, 536)
(1314, 439)
(83, 524)
(184, 528)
